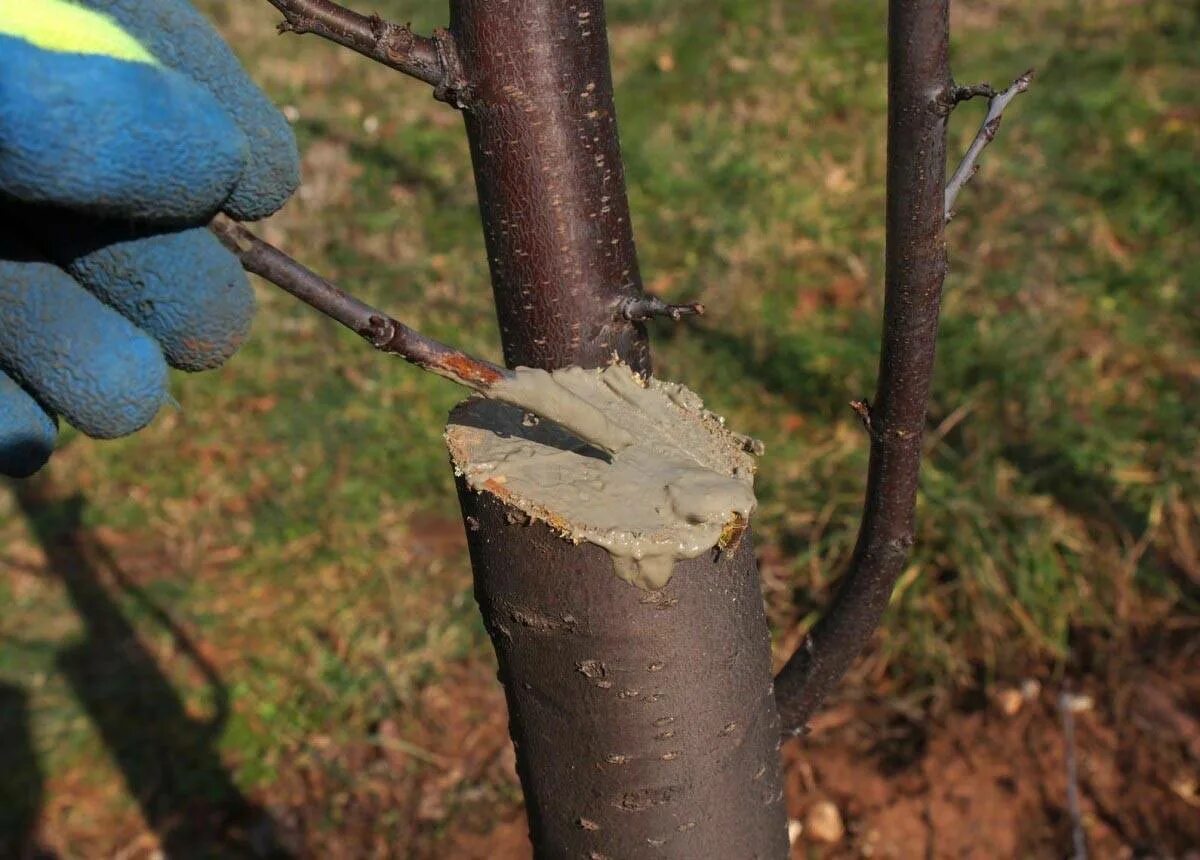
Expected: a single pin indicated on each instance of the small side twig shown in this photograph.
(641, 308)
(862, 408)
(374, 326)
(997, 102)
(1078, 840)
(432, 60)
(962, 94)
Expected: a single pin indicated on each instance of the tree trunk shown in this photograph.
(644, 722)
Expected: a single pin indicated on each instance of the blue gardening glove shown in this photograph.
(125, 125)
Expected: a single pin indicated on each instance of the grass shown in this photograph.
(284, 514)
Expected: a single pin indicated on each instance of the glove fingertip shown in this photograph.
(272, 171)
(82, 359)
(128, 387)
(182, 287)
(27, 432)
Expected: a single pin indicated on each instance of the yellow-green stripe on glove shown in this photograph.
(124, 125)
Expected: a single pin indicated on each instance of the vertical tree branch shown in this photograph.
(920, 96)
(543, 132)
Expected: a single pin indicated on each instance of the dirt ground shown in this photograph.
(986, 777)
(978, 784)
(986, 783)
(988, 780)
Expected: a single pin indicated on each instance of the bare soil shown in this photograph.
(982, 783)
(979, 782)
(986, 777)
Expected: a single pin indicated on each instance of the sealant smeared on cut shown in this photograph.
(639, 468)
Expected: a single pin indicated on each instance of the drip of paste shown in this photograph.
(636, 467)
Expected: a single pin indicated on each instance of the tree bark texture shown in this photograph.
(543, 131)
(643, 721)
(920, 98)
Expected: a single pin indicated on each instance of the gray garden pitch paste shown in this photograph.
(638, 467)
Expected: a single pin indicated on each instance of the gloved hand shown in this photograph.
(125, 125)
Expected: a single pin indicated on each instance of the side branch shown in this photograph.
(962, 94)
(997, 102)
(918, 206)
(374, 326)
(919, 88)
(432, 60)
(644, 307)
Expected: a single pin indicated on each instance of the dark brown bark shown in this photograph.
(543, 131)
(920, 96)
(643, 722)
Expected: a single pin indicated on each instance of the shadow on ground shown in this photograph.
(168, 758)
(21, 778)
